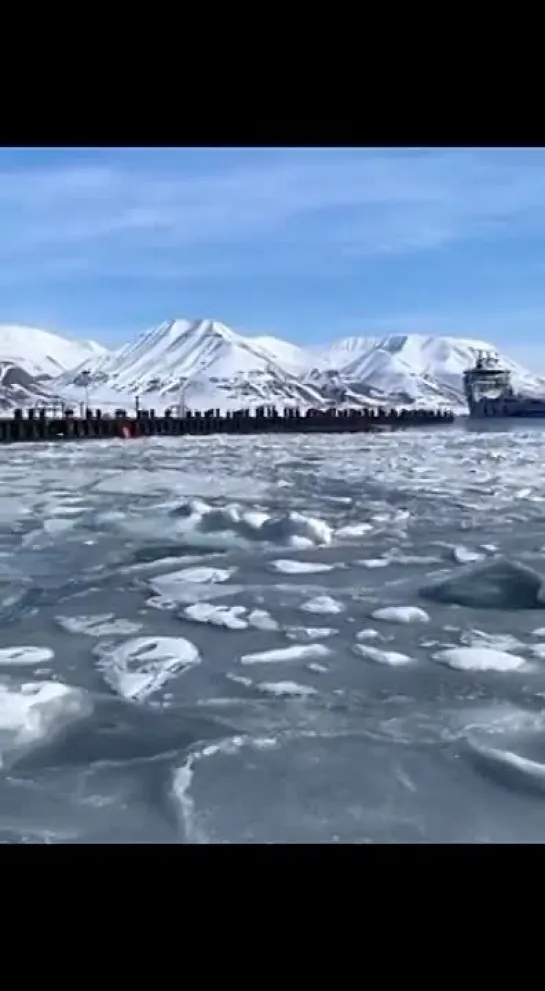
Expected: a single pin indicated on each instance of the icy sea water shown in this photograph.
(303, 639)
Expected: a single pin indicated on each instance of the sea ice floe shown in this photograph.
(307, 633)
(478, 659)
(353, 530)
(290, 689)
(493, 641)
(260, 619)
(390, 657)
(231, 617)
(34, 713)
(196, 576)
(368, 634)
(140, 666)
(300, 652)
(464, 555)
(374, 562)
(291, 529)
(538, 650)
(323, 604)
(25, 655)
(193, 584)
(100, 625)
(300, 567)
(401, 614)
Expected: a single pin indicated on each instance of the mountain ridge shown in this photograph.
(213, 365)
(31, 359)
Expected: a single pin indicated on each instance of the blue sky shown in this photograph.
(310, 244)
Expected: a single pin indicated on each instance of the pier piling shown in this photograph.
(35, 425)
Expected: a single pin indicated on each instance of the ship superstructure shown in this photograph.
(489, 391)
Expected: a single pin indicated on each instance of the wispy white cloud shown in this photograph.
(291, 238)
(348, 203)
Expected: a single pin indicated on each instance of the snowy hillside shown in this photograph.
(30, 359)
(212, 363)
(416, 368)
(214, 366)
(40, 353)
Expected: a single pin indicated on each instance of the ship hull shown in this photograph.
(503, 413)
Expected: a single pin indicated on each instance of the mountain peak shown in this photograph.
(218, 366)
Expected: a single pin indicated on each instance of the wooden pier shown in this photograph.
(37, 425)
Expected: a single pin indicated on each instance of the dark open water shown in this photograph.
(190, 649)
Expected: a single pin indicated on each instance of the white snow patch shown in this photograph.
(142, 665)
(25, 655)
(301, 652)
(323, 604)
(300, 567)
(478, 659)
(401, 614)
(390, 657)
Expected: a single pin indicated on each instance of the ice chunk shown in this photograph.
(260, 619)
(100, 625)
(390, 657)
(140, 666)
(307, 633)
(25, 655)
(229, 617)
(478, 659)
(300, 567)
(35, 712)
(323, 604)
(401, 614)
(353, 530)
(299, 652)
(463, 555)
(286, 688)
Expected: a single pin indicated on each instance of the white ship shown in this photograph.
(489, 392)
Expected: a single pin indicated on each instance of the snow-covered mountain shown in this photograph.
(213, 364)
(216, 366)
(412, 368)
(30, 360)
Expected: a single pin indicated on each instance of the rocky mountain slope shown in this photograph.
(31, 360)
